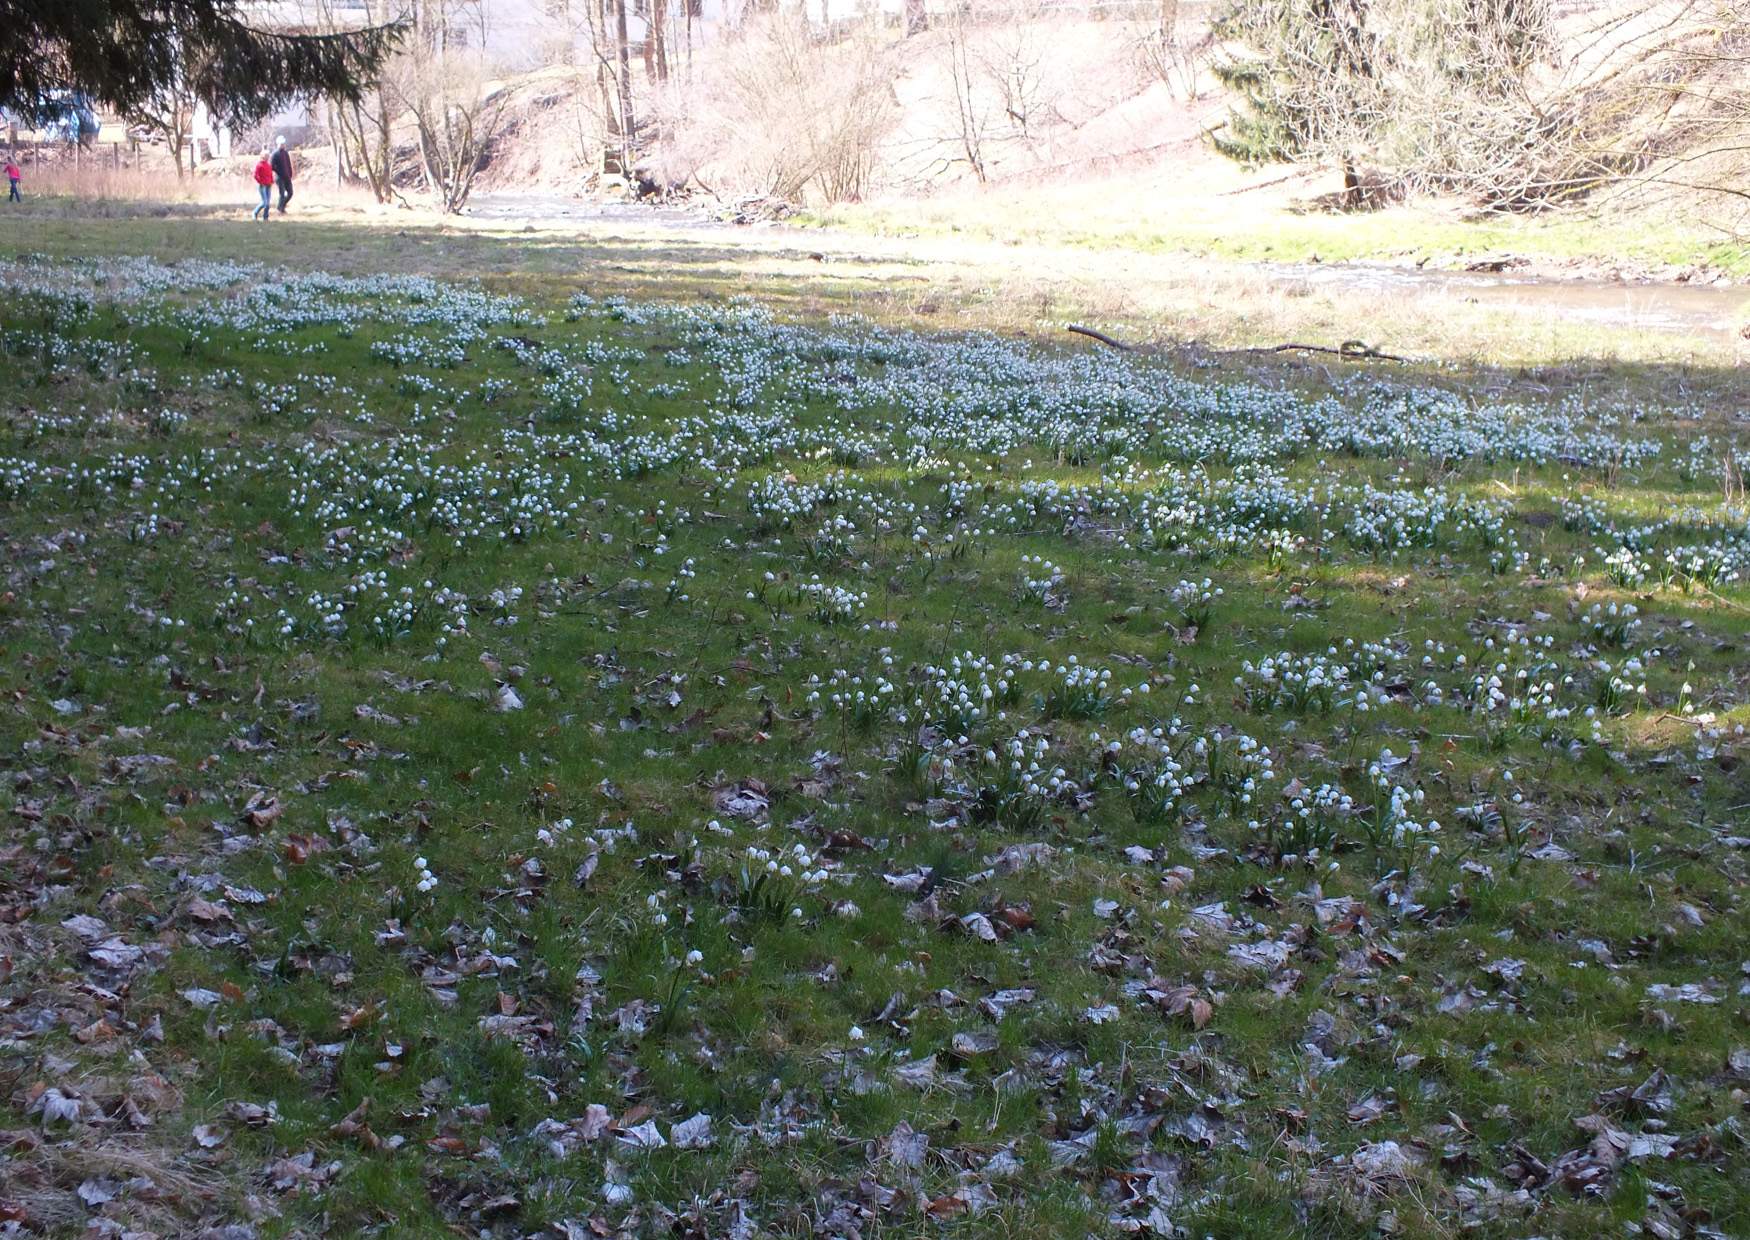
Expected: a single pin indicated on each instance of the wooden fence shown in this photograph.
(95, 156)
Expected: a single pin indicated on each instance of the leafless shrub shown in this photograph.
(1520, 104)
(1019, 57)
(1174, 48)
(433, 114)
(690, 136)
(971, 107)
(170, 116)
(796, 116)
(1697, 110)
(1000, 73)
(456, 117)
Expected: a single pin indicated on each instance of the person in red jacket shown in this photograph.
(264, 183)
(13, 176)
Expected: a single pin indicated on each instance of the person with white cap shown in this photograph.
(282, 171)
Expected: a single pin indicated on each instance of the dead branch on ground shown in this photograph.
(1102, 337)
(1354, 350)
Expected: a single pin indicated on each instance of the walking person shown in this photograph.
(14, 174)
(282, 172)
(263, 183)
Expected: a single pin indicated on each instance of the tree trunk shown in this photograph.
(628, 124)
(659, 37)
(596, 13)
(331, 115)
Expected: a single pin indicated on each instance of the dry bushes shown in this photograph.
(130, 183)
(787, 109)
(1518, 104)
(780, 113)
(1174, 49)
(1004, 87)
(432, 115)
(456, 119)
(1700, 107)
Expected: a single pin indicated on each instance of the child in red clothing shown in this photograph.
(264, 183)
(14, 175)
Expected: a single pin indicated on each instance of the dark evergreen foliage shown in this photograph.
(125, 53)
(1301, 61)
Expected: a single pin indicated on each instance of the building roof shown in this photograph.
(298, 16)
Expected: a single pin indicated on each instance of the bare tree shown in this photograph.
(623, 54)
(799, 115)
(170, 114)
(971, 106)
(1521, 104)
(362, 129)
(587, 41)
(656, 41)
(1001, 71)
(1016, 56)
(456, 117)
(362, 134)
(1702, 106)
(445, 88)
(1172, 50)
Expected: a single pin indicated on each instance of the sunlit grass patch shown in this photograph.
(506, 758)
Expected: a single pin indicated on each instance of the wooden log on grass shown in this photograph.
(1355, 350)
(1101, 336)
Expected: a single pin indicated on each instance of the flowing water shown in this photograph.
(1655, 306)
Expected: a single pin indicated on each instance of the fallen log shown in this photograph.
(1355, 350)
(1102, 337)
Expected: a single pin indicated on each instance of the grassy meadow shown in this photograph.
(1200, 309)
(1206, 207)
(541, 759)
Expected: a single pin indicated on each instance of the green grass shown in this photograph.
(1102, 216)
(1209, 311)
(166, 744)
